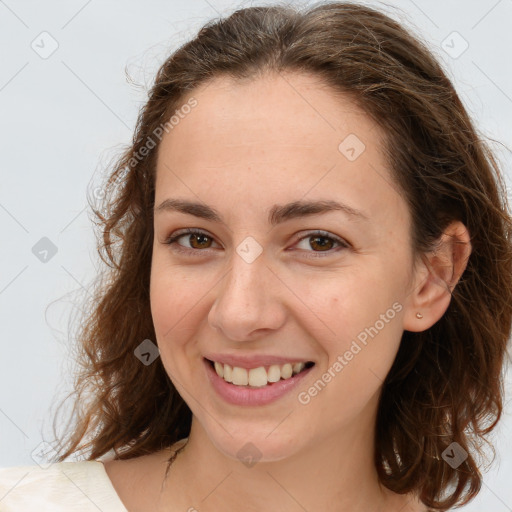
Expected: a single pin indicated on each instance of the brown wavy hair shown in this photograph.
(446, 383)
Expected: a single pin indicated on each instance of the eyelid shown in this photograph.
(323, 234)
(176, 235)
(342, 243)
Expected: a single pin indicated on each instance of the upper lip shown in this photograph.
(253, 361)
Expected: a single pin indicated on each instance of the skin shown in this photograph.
(244, 148)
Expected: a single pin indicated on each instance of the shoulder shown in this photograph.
(65, 486)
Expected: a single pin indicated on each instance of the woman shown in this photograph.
(309, 295)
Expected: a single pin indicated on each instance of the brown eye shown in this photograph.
(319, 241)
(197, 240)
(322, 242)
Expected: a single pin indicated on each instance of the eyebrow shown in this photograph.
(277, 214)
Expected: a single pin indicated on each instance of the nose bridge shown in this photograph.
(246, 300)
(248, 273)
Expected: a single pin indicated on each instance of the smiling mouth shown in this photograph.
(261, 376)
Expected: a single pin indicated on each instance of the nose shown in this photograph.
(249, 303)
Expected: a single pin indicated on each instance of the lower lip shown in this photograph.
(242, 395)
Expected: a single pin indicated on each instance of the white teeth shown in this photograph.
(227, 373)
(240, 377)
(219, 368)
(298, 367)
(274, 373)
(286, 371)
(257, 377)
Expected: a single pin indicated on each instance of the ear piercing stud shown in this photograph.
(419, 315)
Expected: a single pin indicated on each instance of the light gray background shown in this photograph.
(63, 117)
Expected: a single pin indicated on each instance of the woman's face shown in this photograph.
(259, 288)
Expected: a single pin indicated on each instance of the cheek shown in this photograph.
(367, 333)
(348, 302)
(361, 314)
(174, 302)
(169, 311)
(173, 289)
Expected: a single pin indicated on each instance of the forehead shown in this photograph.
(276, 109)
(287, 135)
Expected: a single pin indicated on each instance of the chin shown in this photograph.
(252, 445)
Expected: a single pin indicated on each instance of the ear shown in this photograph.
(436, 276)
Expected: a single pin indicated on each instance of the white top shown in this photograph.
(62, 487)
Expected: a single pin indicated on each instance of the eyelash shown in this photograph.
(171, 240)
